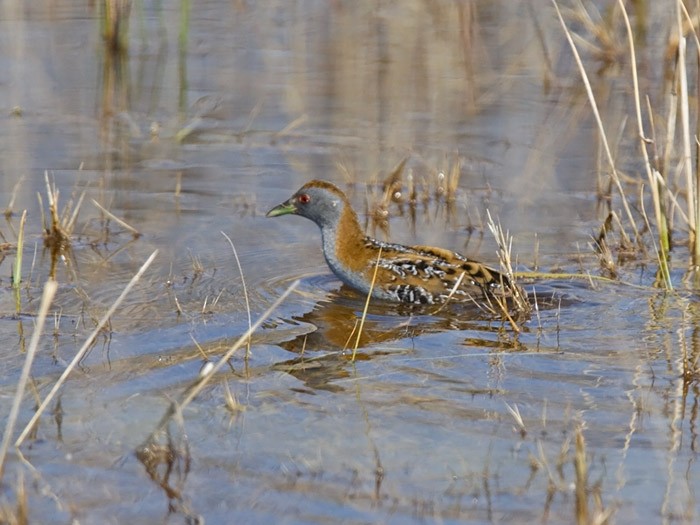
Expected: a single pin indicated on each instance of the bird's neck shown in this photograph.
(344, 243)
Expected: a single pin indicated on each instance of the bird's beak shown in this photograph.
(285, 208)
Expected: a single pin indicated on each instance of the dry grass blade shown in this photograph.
(57, 233)
(17, 269)
(13, 197)
(458, 282)
(599, 121)
(581, 483)
(83, 349)
(46, 299)
(692, 188)
(364, 311)
(661, 220)
(519, 299)
(69, 223)
(515, 412)
(116, 219)
(664, 276)
(245, 289)
(19, 515)
(300, 120)
(392, 182)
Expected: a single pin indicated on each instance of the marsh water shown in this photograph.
(207, 122)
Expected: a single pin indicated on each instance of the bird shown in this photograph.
(420, 275)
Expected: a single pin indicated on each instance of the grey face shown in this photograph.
(317, 204)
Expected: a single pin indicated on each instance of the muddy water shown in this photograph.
(185, 143)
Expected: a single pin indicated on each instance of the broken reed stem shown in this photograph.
(245, 290)
(83, 349)
(192, 392)
(599, 121)
(46, 299)
(69, 224)
(364, 311)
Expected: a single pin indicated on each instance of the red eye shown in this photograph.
(304, 198)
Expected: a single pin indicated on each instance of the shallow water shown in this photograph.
(420, 427)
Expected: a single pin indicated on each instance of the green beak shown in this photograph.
(282, 209)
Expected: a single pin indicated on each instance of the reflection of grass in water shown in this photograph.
(115, 25)
(57, 231)
(19, 514)
(47, 298)
(159, 450)
(49, 292)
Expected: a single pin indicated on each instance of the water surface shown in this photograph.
(184, 144)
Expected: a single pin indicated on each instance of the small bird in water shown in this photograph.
(405, 274)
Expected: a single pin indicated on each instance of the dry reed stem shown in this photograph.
(692, 187)
(115, 24)
(664, 274)
(587, 277)
(245, 289)
(253, 115)
(300, 120)
(116, 219)
(46, 299)
(452, 292)
(661, 220)
(69, 224)
(19, 515)
(352, 332)
(83, 349)
(17, 269)
(505, 244)
(57, 234)
(515, 412)
(581, 481)
(599, 121)
(230, 401)
(199, 347)
(13, 197)
(364, 311)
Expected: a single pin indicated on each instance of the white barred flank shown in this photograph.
(413, 294)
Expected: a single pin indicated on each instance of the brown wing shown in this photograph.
(476, 273)
(426, 277)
